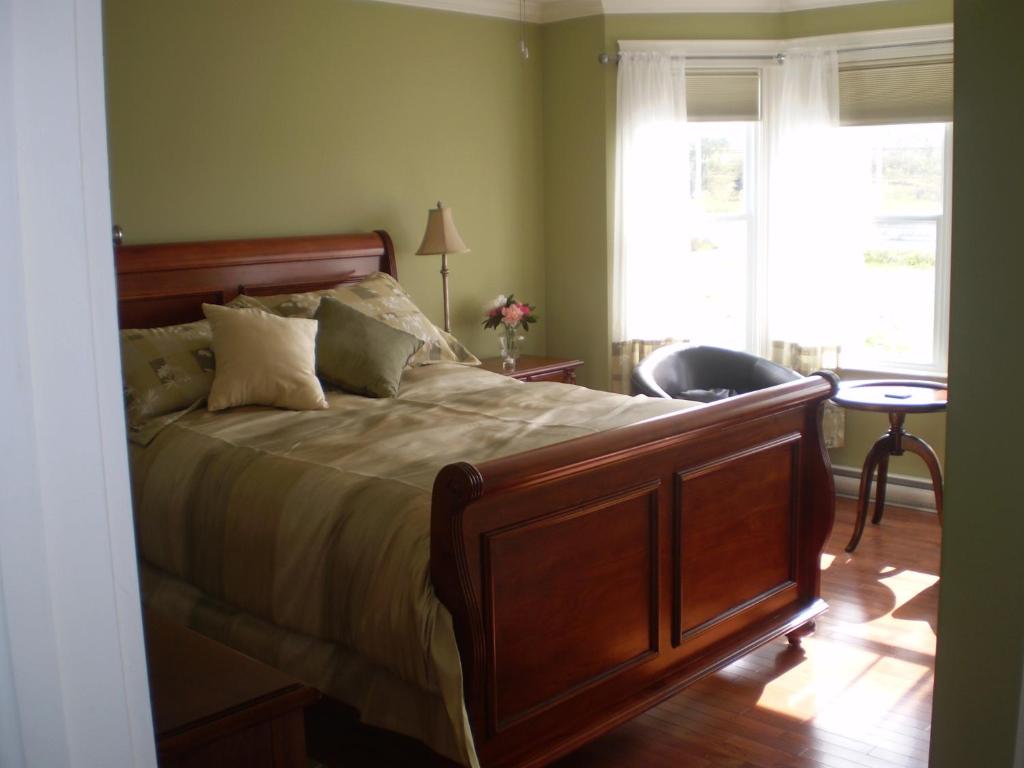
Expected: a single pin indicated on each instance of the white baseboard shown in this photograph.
(900, 490)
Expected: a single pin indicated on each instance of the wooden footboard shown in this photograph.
(591, 579)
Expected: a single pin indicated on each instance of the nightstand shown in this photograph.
(213, 706)
(537, 368)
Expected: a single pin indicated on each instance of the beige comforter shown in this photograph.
(302, 538)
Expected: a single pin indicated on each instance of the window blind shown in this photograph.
(722, 95)
(886, 93)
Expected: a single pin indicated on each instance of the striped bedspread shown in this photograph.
(302, 538)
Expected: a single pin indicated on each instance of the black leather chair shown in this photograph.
(705, 373)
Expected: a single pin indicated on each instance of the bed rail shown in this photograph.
(591, 579)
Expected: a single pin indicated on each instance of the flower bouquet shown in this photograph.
(509, 315)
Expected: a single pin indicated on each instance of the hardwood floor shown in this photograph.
(857, 695)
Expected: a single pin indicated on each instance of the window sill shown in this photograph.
(854, 373)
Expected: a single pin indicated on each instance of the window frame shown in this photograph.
(755, 171)
(943, 262)
(753, 208)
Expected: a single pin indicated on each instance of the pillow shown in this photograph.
(382, 298)
(302, 305)
(165, 369)
(263, 359)
(360, 354)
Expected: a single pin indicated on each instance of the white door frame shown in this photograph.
(73, 688)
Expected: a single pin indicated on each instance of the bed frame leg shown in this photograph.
(797, 636)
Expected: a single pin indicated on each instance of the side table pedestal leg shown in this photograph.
(880, 486)
(879, 450)
(916, 445)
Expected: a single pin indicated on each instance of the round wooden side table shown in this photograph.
(897, 398)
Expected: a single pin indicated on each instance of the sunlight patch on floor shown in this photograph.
(847, 687)
(906, 633)
(905, 584)
(843, 683)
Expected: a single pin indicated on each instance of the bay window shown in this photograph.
(897, 144)
(747, 218)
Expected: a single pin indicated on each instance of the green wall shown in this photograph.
(575, 244)
(772, 26)
(981, 609)
(692, 26)
(232, 118)
(857, 18)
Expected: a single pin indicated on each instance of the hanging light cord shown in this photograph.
(524, 51)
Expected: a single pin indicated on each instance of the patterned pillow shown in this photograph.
(165, 369)
(382, 298)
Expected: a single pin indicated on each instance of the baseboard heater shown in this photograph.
(901, 490)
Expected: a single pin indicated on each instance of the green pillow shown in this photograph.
(165, 369)
(358, 353)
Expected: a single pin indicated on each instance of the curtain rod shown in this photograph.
(780, 58)
(607, 58)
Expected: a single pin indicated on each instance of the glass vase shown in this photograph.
(510, 340)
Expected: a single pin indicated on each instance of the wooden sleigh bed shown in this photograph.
(593, 578)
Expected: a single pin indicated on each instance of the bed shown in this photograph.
(580, 581)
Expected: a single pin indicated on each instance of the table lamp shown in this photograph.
(442, 238)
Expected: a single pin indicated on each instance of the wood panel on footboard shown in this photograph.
(591, 579)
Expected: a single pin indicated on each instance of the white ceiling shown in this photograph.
(543, 11)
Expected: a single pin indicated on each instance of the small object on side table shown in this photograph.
(213, 706)
(536, 368)
(897, 398)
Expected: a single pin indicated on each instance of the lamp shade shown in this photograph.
(441, 235)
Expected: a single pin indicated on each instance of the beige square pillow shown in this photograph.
(263, 359)
(381, 297)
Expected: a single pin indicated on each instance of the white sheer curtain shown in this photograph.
(652, 193)
(816, 214)
(816, 203)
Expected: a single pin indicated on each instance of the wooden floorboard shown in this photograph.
(857, 695)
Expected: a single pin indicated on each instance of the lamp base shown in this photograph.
(444, 289)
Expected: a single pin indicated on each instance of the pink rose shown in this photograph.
(512, 315)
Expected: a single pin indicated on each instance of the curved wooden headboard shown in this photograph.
(167, 283)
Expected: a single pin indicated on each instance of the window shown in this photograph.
(718, 293)
(903, 281)
(900, 310)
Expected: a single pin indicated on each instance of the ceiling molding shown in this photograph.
(931, 33)
(546, 11)
(624, 7)
(500, 9)
(620, 7)
(806, 5)
(930, 40)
